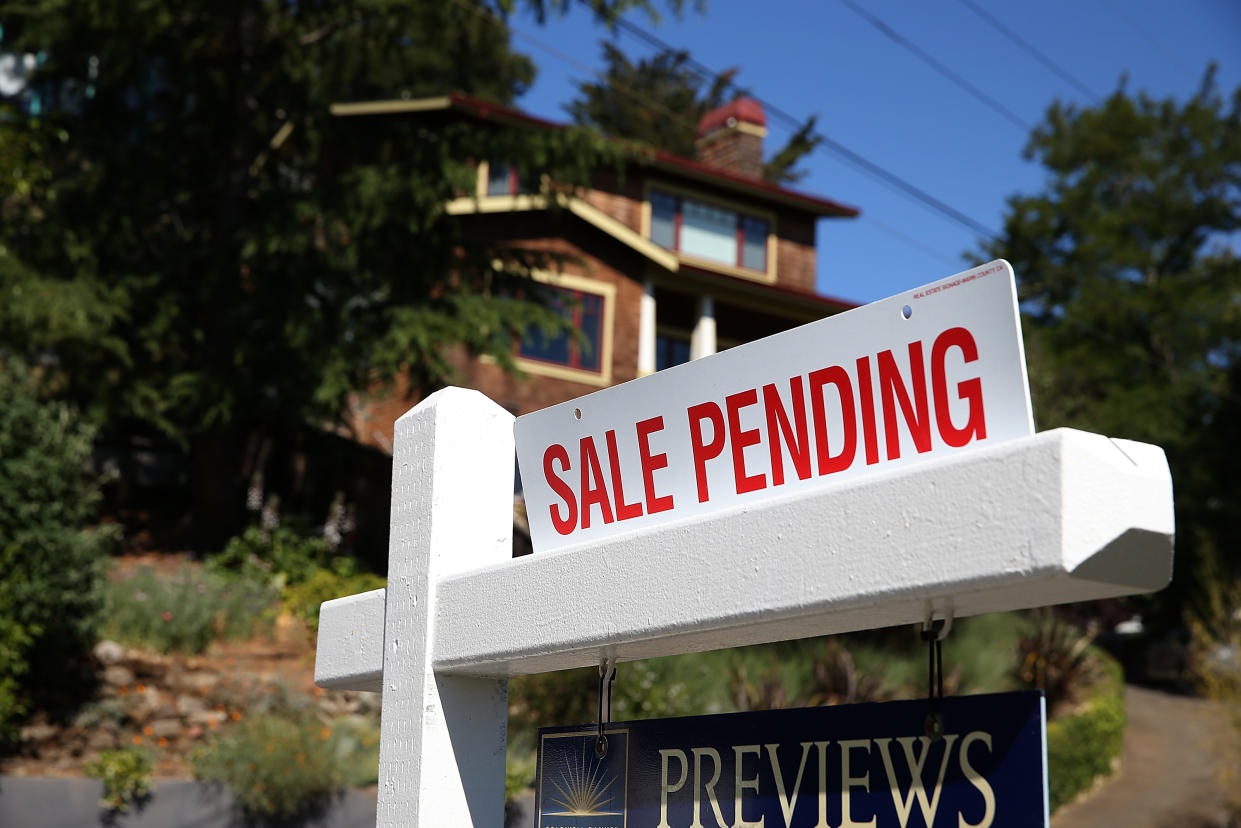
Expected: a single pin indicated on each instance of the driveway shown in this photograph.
(1170, 771)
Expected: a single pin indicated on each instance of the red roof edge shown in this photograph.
(810, 203)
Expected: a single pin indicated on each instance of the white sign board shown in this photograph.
(930, 371)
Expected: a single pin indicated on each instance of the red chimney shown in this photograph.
(730, 137)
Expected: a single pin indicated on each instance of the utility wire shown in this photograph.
(1118, 10)
(855, 159)
(1030, 49)
(988, 101)
(911, 241)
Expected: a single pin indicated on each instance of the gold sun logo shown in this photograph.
(583, 788)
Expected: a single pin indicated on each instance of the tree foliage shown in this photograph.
(660, 100)
(193, 244)
(1128, 276)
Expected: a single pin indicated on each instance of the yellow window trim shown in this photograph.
(768, 276)
(603, 377)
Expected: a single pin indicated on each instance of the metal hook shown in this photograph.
(934, 631)
(943, 626)
(607, 675)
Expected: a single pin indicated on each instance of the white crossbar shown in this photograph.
(1060, 516)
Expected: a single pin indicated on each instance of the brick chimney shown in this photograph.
(730, 137)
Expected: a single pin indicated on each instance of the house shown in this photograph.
(673, 260)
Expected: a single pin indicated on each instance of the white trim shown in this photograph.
(389, 107)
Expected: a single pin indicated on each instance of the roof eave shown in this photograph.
(664, 161)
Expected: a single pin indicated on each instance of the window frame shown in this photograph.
(579, 284)
(742, 211)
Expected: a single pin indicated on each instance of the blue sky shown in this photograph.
(877, 99)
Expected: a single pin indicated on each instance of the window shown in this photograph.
(707, 231)
(670, 350)
(503, 180)
(585, 311)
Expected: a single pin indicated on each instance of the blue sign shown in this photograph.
(854, 766)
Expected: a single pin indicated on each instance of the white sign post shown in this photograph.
(1030, 521)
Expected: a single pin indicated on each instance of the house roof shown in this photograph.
(665, 161)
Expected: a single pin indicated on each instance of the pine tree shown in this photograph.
(1128, 275)
(658, 101)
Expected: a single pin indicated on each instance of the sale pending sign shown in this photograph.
(921, 374)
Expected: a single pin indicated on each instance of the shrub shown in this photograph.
(51, 563)
(276, 766)
(1055, 657)
(185, 611)
(355, 746)
(1083, 746)
(303, 599)
(14, 641)
(126, 776)
(283, 552)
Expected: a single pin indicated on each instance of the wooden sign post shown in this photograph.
(1035, 520)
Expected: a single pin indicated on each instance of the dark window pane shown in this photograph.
(585, 311)
(670, 351)
(498, 179)
(537, 344)
(663, 219)
(591, 325)
(754, 249)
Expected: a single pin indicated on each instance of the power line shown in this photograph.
(1119, 11)
(988, 101)
(855, 159)
(849, 156)
(910, 240)
(1030, 49)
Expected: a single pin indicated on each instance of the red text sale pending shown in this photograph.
(937, 369)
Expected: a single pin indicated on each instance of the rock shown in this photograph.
(142, 713)
(334, 705)
(165, 728)
(199, 680)
(102, 740)
(108, 652)
(38, 732)
(118, 676)
(189, 705)
(205, 718)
